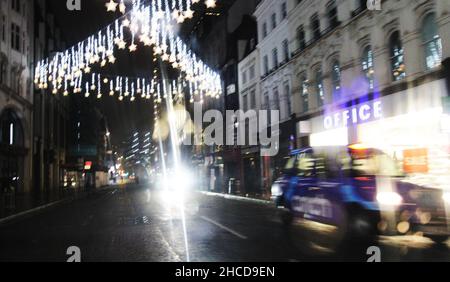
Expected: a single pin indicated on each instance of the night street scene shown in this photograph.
(225, 131)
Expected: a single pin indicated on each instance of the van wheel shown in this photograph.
(286, 218)
(359, 227)
(438, 239)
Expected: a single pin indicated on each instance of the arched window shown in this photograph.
(397, 57)
(11, 132)
(304, 94)
(319, 88)
(431, 42)
(336, 78)
(367, 66)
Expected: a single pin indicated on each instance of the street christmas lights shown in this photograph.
(152, 23)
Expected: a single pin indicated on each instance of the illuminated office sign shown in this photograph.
(355, 115)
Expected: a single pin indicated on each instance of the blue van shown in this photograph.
(360, 190)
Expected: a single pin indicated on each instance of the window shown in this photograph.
(319, 88)
(266, 65)
(244, 77)
(397, 57)
(305, 94)
(336, 79)
(3, 28)
(275, 57)
(287, 95)
(266, 101)
(284, 10)
(15, 5)
(11, 132)
(367, 66)
(274, 20)
(3, 65)
(253, 99)
(286, 50)
(23, 43)
(276, 98)
(332, 14)
(15, 37)
(252, 72)
(264, 30)
(245, 102)
(431, 42)
(301, 38)
(315, 26)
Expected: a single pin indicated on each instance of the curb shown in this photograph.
(24, 214)
(237, 198)
(21, 215)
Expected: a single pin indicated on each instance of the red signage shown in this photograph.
(415, 161)
(87, 165)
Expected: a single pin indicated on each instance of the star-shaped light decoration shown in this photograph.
(87, 69)
(175, 14)
(210, 3)
(180, 19)
(132, 47)
(165, 57)
(112, 59)
(189, 14)
(122, 7)
(111, 6)
(122, 44)
(126, 22)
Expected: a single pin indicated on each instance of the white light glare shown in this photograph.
(446, 197)
(389, 198)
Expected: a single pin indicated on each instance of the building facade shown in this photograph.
(358, 74)
(50, 113)
(16, 100)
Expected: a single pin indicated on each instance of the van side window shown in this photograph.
(305, 165)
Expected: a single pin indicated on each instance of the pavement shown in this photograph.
(140, 224)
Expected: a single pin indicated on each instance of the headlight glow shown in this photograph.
(446, 197)
(276, 190)
(389, 198)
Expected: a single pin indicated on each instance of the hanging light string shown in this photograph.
(133, 88)
(153, 22)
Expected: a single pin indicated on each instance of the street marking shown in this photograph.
(224, 227)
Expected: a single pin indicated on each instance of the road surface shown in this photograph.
(139, 224)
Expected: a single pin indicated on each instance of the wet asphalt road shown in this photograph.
(139, 224)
